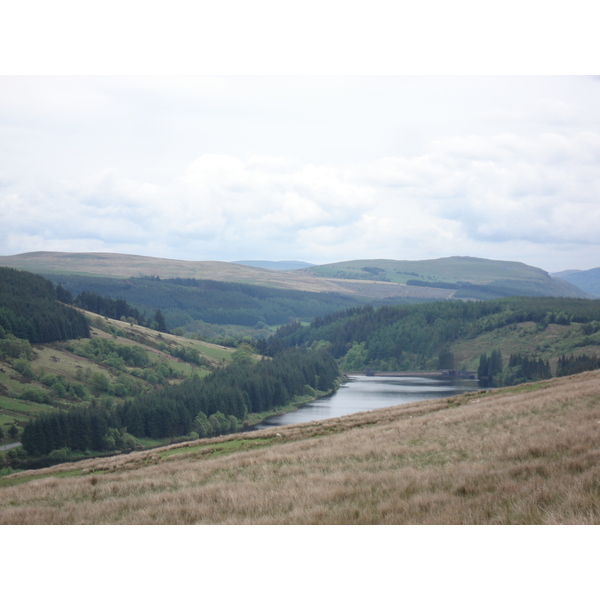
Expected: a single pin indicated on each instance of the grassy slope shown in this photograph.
(55, 359)
(452, 270)
(523, 455)
(526, 338)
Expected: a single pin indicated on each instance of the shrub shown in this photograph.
(60, 453)
(309, 391)
(22, 366)
(35, 395)
(59, 389)
(15, 347)
(201, 425)
(49, 380)
(99, 382)
(78, 390)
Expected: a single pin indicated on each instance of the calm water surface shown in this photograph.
(367, 393)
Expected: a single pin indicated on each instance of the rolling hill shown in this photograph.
(461, 276)
(454, 277)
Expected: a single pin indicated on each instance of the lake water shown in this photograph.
(367, 393)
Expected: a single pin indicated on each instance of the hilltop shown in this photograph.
(461, 277)
(443, 278)
(526, 455)
(125, 265)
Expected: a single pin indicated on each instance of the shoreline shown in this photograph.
(446, 374)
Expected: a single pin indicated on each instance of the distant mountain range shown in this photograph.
(588, 281)
(457, 277)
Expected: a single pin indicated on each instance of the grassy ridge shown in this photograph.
(125, 265)
(496, 278)
(351, 277)
(511, 456)
(452, 269)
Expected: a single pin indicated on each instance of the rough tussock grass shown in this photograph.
(522, 457)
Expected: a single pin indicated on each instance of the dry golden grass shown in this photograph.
(126, 265)
(512, 456)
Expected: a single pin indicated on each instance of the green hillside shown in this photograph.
(123, 266)
(453, 335)
(462, 276)
(119, 385)
(118, 362)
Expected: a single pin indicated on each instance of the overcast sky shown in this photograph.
(313, 168)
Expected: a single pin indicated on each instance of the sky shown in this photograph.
(312, 164)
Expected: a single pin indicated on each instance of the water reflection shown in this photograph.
(367, 393)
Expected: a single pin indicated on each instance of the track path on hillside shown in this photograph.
(9, 447)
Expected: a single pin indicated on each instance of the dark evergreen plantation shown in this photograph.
(185, 301)
(29, 309)
(570, 365)
(107, 306)
(226, 395)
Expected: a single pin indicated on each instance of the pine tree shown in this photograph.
(159, 320)
(495, 364)
(482, 370)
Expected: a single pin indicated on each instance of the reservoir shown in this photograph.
(362, 393)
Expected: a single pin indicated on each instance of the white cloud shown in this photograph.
(311, 169)
(461, 196)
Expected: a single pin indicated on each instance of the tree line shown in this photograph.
(31, 310)
(520, 369)
(570, 365)
(417, 336)
(234, 391)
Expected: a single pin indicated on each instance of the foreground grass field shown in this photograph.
(527, 455)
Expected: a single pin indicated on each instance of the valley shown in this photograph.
(104, 400)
